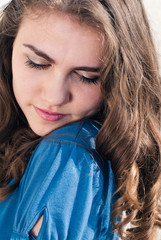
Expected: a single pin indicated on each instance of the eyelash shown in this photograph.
(89, 80)
(82, 78)
(32, 64)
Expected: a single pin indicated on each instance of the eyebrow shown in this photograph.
(39, 53)
(49, 59)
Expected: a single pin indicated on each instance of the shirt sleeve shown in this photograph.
(64, 183)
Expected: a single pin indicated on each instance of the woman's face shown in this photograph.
(55, 65)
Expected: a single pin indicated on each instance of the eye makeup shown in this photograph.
(89, 80)
(32, 64)
(92, 80)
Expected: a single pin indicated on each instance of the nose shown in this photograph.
(56, 90)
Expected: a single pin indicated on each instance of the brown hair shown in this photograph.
(131, 87)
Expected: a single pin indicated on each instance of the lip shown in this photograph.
(48, 115)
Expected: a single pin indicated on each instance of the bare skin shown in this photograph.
(36, 229)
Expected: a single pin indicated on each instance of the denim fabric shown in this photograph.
(68, 183)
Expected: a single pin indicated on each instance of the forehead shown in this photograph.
(56, 31)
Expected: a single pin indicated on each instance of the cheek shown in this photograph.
(90, 99)
(21, 86)
(24, 82)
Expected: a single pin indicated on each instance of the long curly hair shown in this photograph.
(131, 88)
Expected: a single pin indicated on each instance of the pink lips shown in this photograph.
(49, 115)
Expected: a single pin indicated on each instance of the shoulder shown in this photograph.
(64, 181)
(72, 143)
(69, 153)
(83, 133)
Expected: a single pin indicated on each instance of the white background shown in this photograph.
(153, 9)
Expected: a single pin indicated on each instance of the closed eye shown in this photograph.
(93, 80)
(32, 64)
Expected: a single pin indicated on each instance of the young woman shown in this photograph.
(80, 98)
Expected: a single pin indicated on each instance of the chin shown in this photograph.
(41, 132)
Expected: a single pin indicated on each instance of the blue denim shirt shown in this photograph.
(68, 183)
